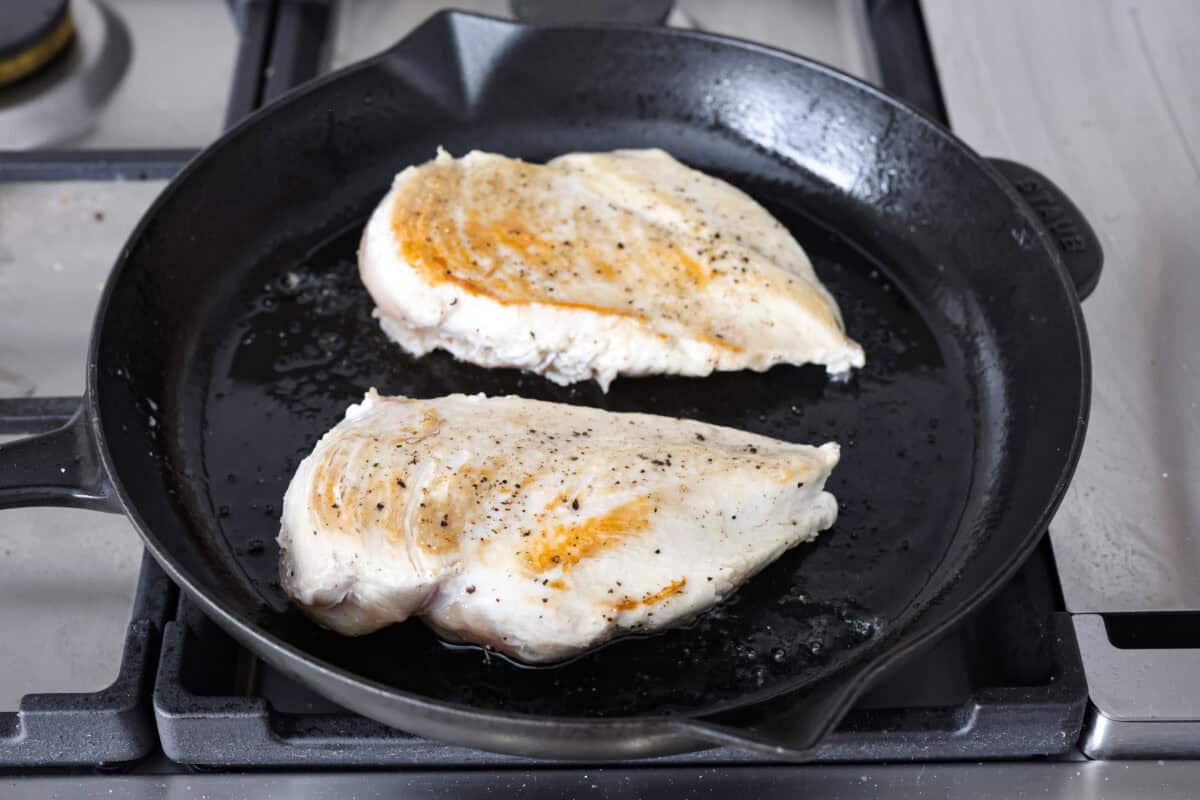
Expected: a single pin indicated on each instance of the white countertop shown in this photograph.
(1104, 99)
(67, 577)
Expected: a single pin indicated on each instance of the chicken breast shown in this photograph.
(537, 529)
(592, 266)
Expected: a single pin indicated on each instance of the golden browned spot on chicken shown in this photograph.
(450, 503)
(670, 590)
(431, 423)
(794, 474)
(437, 531)
(481, 266)
(325, 487)
(364, 482)
(569, 543)
(347, 496)
(559, 498)
(696, 272)
(327, 496)
(355, 486)
(506, 236)
(718, 342)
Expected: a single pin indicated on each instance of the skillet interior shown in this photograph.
(266, 336)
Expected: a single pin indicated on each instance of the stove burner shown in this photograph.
(556, 12)
(33, 33)
(61, 100)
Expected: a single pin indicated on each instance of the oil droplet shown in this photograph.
(329, 341)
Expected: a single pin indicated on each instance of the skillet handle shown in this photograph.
(790, 727)
(1077, 242)
(57, 467)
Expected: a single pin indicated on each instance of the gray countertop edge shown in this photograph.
(1094, 780)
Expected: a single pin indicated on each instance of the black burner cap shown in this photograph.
(32, 32)
(570, 12)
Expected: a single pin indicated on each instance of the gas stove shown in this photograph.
(110, 672)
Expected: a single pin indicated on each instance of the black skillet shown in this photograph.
(233, 331)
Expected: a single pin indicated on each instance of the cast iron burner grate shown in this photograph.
(111, 727)
(1007, 684)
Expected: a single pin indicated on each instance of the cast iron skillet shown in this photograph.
(234, 331)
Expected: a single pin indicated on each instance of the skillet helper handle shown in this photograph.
(791, 727)
(1077, 242)
(59, 466)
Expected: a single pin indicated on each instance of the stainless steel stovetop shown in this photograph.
(87, 145)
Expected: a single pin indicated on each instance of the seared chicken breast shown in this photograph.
(537, 529)
(592, 266)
